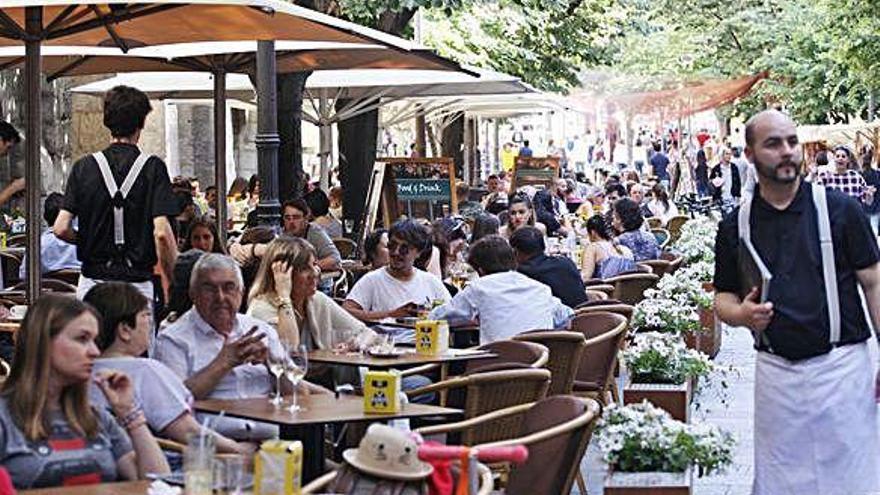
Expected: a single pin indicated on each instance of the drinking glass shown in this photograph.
(276, 367)
(230, 471)
(295, 370)
(198, 459)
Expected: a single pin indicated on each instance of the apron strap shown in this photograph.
(118, 194)
(829, 271)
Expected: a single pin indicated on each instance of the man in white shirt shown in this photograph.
(219, 353)
(398, 289)
(505, 301)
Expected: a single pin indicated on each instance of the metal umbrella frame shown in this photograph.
(127, 26)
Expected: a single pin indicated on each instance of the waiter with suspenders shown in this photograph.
(815, 386)
(121, 199)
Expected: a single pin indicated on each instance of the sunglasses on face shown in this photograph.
(398, 247)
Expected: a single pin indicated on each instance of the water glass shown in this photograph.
(296, 368)
(230, 471)
(198, 464)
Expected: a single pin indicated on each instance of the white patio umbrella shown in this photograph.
(35, 23)
(364, 90)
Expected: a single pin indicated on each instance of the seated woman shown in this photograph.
(604, 258)
(661, 206)
(203, 236)
(519, 213)
(124, 337)
(285, 296)
(49, 434)
(627, 220)
(376, 249)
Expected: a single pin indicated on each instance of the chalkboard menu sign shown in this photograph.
(540, 172)
(423, 187)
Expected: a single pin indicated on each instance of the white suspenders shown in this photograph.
(829, 271)
(118, 194)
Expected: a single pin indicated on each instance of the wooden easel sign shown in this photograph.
(423, 187)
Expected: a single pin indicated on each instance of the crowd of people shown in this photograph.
(166, 314)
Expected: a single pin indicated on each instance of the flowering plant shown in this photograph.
(682, 287)
(665, 314)
(644, 438)
(701, 271)
(697, 240)
(655, 357)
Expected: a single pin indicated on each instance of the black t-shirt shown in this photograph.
(788, 242)
(560, 274)
(87, 198)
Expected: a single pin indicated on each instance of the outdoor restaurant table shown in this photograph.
(121, 488)
(407, 360)
(308, 425)
(463, 336)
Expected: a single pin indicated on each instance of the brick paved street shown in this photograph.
(736, 416)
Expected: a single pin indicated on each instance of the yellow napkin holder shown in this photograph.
(382, 392)
(278, 468)
(432, 337)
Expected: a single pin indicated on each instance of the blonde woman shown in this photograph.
(49, 434)
(285, 295)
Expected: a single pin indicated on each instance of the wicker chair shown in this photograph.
(565, 356)
(674, 226)
(609, 306)
(556, 431)
(630, 288)
(11, 263)
(347, 247)
(662, 236)
(481, 393)
(658, 267)
(510, 354)
(654, 223)
(596, 295)
(17, 240)
(50, 285)
(606, 335)
(674, 260)
(599, 285)
(69, 275)
(328, 483)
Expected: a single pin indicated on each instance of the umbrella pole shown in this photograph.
(325, 138)
(220, 151)
(269, 209)
(34, 28)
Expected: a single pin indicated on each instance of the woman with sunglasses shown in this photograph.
(520, 213)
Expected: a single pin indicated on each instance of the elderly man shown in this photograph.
(219, 353)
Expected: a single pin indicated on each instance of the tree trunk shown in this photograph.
(432, 139)
(451, 143)
(357, 155)
(290, 164)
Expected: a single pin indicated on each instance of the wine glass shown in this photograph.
(276, 367)
(295, 370)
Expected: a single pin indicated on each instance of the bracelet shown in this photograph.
(136, 423)
(135, 414)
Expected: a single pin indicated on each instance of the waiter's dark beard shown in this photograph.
(771, 172)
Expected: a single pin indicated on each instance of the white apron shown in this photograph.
(816, 424)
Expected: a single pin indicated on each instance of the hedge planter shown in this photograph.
(708, 340)
(620, 483)
(674, 399)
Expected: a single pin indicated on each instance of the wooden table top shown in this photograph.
(121, 488)
(409, 359)
(9, 327)
(318, 409)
